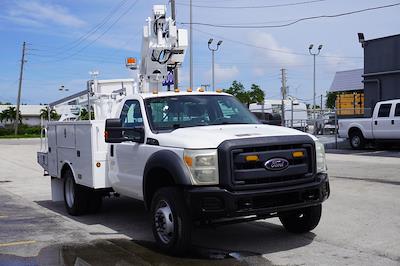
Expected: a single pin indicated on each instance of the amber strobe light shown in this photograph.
(252, 158)
(298, 154)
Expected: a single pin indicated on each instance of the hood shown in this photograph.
(210, 137)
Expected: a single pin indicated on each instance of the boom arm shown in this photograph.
(163, 49)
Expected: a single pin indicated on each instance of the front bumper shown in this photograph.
(211, 203)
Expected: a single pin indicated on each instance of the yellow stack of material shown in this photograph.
(350, 103)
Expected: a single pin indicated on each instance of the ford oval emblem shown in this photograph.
(276, 164)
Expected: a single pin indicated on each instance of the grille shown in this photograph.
(254, 173)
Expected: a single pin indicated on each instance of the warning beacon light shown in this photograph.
(131, 63)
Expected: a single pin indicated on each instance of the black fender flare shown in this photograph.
(171, 162)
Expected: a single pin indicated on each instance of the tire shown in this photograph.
(75, 196)
(171, 222)
(302, 220)
(357, 140)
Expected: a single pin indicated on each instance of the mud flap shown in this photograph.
(57, 189)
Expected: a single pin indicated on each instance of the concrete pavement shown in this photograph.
(360, 223)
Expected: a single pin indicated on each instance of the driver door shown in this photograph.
(126, 166)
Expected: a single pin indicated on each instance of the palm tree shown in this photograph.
(44, 113)
(9, 114)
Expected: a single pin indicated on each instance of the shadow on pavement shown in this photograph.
(128, 217)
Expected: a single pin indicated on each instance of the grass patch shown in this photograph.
(24, 136)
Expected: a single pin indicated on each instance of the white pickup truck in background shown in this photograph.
(384, 125)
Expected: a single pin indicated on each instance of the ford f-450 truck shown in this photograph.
(193, 157)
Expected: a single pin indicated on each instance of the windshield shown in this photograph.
(172, 112)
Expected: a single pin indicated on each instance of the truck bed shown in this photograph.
(81, 146)
(364, 124)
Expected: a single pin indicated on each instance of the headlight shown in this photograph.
(203, 165)
(321, 160)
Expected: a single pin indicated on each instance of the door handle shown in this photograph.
(392, 122)
(376, 123)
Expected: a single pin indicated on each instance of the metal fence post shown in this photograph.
(336, 129)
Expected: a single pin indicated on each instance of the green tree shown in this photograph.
(330, 99)
(84, 115)
(254, 95)
(10, 114)
(44, 113)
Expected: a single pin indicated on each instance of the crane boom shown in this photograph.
(163, 49)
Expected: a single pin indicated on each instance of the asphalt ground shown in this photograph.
(360, 224)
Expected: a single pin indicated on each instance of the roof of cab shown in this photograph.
(147, 95)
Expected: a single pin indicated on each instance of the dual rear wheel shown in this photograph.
(78, 199)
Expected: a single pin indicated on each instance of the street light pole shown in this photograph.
(191, 45)
(213, 50)
(314, 54)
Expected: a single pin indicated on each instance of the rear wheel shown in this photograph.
(357, 140)
(171, 222)
(75, 196)
(302, 220)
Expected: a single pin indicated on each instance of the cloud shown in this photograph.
(336, 62)
(276, 53)
(40, 14)
(223, 74)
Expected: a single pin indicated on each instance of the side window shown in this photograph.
(397, 110)
(384, 110)
(131, 115)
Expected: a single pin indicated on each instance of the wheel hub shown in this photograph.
(356, 141)
(164, 222)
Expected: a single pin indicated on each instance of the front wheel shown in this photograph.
(302, 220)
(171, 222)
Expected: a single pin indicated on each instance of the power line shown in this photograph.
(92, 31)
(295, 21)
(101, 35)
(253, 7)
(270, 49)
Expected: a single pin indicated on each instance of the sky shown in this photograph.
(68, 39)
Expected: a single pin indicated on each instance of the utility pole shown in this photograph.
(321, 104)
(173, 15)
(21, 73)
(283, 90)
(191, 44)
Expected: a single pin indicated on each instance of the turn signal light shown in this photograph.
(188, 160)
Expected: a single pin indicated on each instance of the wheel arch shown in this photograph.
(163, 168)
(354, 129)
(65, 167)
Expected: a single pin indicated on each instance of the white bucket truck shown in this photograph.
(193, 157)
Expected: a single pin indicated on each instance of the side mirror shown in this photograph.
(115, 133)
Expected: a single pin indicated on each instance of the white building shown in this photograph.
(30, 113)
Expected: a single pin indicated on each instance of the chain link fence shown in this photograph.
(319, 122)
